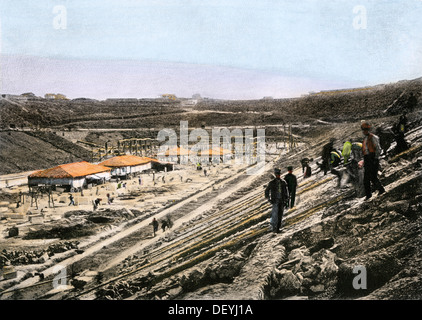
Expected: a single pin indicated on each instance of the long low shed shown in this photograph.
(72, 175)
(122, 166)
(126, 165)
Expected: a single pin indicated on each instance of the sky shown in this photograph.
(225, 49)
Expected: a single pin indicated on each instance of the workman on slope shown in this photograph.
(277, 194)
(371, 151)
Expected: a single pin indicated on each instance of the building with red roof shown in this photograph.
(127, 165)
(71, 175)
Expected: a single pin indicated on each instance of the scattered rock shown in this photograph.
(322, 244)
(317, 288)
(284, 283)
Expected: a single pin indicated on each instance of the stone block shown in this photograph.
(36, 219)
(317, 288)
(13, 215)
(9, 273)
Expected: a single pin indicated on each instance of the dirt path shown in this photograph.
(215, 198)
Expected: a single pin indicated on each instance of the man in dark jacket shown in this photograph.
(291, 185)
(326, 155)
(371, 150)
(154, 226)
(277, 194)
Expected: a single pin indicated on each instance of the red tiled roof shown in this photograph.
(150, 159)
(125, 161)
(70, 170)
(215, 152)
(177, 151)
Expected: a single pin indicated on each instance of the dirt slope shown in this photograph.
(330, 238)
(327, 240)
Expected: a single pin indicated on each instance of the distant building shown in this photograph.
(196, 97)
(126, 165)
(28, 94)
(14, 97)
(190, 102)
(53, 96)
(268, 98)
(174, 154)
(129, 165)
(72, 176)
(168, 96)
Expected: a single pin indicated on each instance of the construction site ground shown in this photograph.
(219, 246)
(172, 194)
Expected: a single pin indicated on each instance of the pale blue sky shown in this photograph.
(306, 39)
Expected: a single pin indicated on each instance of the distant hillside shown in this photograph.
(25, 151)
(342, 105)
(42, 113)
(25, 145)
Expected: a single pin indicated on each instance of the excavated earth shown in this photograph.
(334, 244)
(325, 244)
(226, 251)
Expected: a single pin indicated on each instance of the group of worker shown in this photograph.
(357, 157)
(165, 223)
(361, 160)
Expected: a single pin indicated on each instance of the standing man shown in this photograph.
(335, 160)
(277, 194)
(154, 226)
(291, 185)
(326, 155)
(371, 150)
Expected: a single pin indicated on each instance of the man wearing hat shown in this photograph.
(371, 150)
(277, 194)
(291, 185)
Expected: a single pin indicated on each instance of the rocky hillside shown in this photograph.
(334, 245)
(24, 124)
(35, 150)
(331, 106)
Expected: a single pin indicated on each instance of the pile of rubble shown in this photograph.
(25, 257)
(62, 231)
(81, 223)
